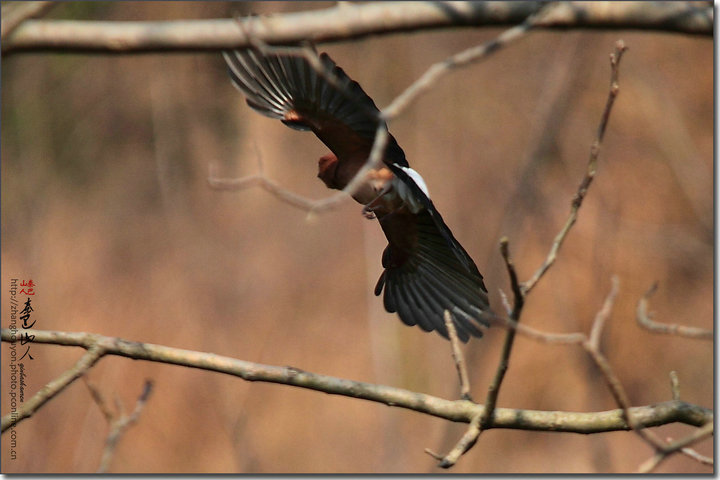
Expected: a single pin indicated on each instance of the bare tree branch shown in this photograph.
(14, 13)
(539, 335)
(645, 321)
(591, 344)
(615, 58)
(662, 449)
(470, 55)
(454, 410)
(602, 316)
(514, 317)
(662, 453)
(119, 422)
(349, 21)
(675, 385)
(473, 432)
(697, 456)
(260, 180)
(466, 442)
(458, 357)
(93, 354)
(483, 420)
(592, 347)
(99, 400)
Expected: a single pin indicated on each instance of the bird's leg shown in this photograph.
(368, 210)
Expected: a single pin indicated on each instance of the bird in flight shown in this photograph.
(426, 270)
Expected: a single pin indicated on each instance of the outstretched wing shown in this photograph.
(427, 271)
(289, 88)
(422, 198)
(423, 277)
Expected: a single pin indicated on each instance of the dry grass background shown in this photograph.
(106, 206)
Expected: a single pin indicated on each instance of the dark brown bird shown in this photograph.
(426, 270)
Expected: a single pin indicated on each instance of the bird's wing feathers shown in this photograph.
(440, 225)
(287, 87)
(424, 276)
(427, 271)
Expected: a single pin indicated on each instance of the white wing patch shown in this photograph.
(407, 196)
(417, 179)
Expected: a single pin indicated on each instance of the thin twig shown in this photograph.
(519, 301)
(574, 338)
(695, 455)
(666, 450)
(466, 57)
(466, 442)
(615, 58)
(434, 454)
(675, 385)
(99, 400)
(458, 357)
(530, 332)
(484, 420)
(592, 346)
(120, 424)
(602, 315)
(304, 203)
(260, 180)
(645, 321)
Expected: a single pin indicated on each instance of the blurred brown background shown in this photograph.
(106, 206)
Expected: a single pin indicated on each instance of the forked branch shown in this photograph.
(520, 291)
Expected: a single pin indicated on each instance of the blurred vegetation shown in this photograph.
(105, 205)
